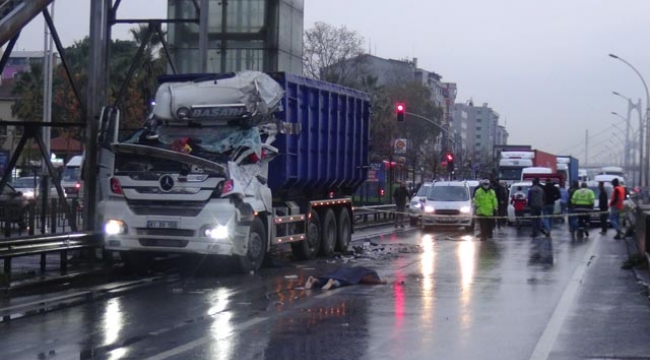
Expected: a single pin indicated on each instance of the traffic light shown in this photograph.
(400, 110)
(450, 162)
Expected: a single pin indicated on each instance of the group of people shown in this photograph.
(578, 201)
(491, 202)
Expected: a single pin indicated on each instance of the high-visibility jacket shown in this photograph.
(618, 196)
(485, 202)
(583, 198)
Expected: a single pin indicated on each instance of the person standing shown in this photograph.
(518, 201)
(615, 207)
(564, 200)
(551, 195)
(400, 196)
(603, 207)
(573, 220)
(583, 202)
(536, 203)
(485, 201)
(502, 200)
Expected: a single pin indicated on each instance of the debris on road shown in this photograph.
(373, 251)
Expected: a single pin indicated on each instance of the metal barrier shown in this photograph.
(42, 245)
(378, 213)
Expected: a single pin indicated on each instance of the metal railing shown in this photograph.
(43, 245)
(375, 213)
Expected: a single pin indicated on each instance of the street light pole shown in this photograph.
(639, 146)
(647, 114)
(446, 131)
(627, 149)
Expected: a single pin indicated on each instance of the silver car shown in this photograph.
(417, 203)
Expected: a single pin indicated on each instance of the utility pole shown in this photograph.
(586, 147)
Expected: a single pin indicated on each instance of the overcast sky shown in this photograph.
(541, 64)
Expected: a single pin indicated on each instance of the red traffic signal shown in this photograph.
(400, 109)
(450, 157)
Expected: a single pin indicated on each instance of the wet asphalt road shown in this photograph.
(458, 299)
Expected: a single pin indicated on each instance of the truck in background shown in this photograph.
(569, 167)
(511, 163)
(230, 165)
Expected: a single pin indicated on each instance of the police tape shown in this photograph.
(575, 214)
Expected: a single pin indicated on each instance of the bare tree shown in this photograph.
(332, 54)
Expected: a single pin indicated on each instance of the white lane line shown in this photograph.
(549, 336)
(206, 339)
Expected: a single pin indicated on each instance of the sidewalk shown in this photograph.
(610, 317)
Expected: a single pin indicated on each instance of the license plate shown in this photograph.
(446, 218)
(162, 224)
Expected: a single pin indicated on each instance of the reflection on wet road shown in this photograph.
(458, 299)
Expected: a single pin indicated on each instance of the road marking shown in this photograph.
(206, 339)
(549, 336)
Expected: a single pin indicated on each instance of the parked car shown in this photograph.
(415, 208)
(449, 204)
(30, 187)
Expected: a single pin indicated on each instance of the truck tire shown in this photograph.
(345, 231)
(308, 249)
(330, 233)
(256, 248)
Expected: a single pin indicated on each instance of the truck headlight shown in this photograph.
(219, 232)
(115, 227)
(416, 204)
(428, 209)
(28, 194)
(465, 210)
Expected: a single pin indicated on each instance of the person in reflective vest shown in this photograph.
(486, 204)
(615, 207)
(583, 201)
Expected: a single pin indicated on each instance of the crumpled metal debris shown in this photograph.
(373, 251)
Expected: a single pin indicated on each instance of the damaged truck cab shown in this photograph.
(234, 164)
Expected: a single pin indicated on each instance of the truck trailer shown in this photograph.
(232, 164)
(569, 167)
(511, 163)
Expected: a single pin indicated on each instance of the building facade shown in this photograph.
(263, 35)
(479, 130)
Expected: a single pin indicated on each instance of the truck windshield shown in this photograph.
(510, 173)
(133, 163)
(448, 193)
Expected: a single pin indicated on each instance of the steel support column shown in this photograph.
(100, 35)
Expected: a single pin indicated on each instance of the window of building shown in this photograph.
(478, 128)
(478, 136)
(478, 120)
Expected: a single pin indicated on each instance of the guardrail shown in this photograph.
(43, 245)
(376, 213)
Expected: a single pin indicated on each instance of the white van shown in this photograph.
(71, 178)
(449, 204)
(535, 170)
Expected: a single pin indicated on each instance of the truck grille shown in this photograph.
(447, 212)
(166, 208)
(165, 232)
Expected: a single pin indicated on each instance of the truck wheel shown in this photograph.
(256, 248)
(308, 248)
(330, 233)
(345, 231)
